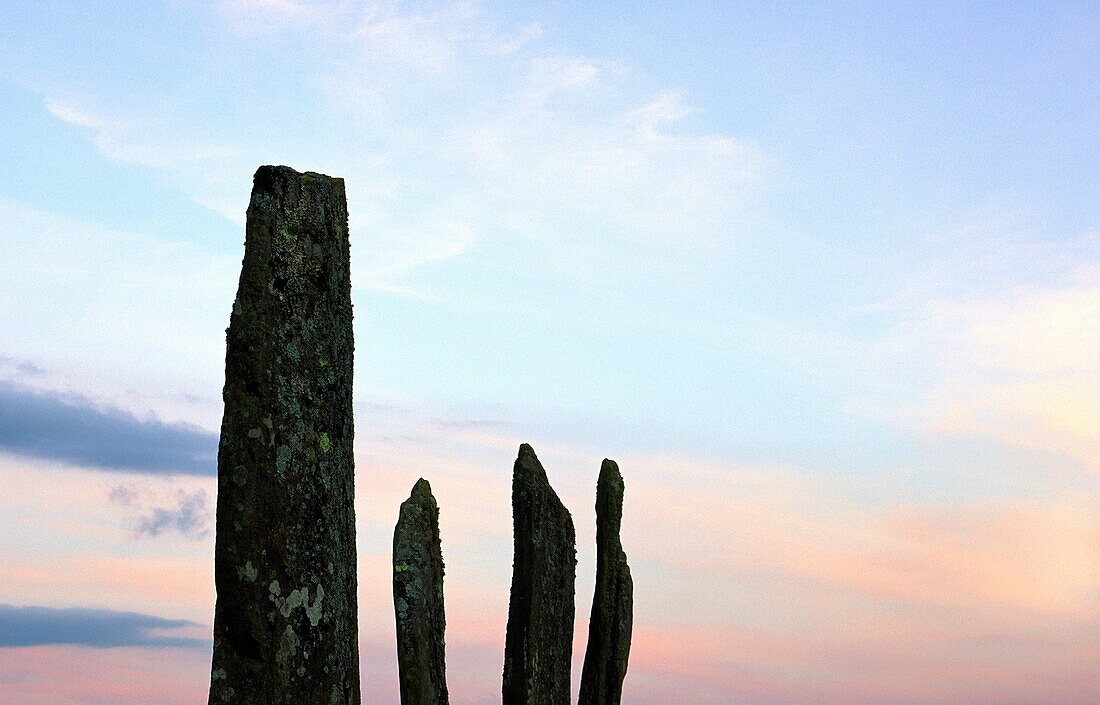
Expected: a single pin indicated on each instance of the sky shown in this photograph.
(823, 278)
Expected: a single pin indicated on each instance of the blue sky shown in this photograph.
(840, 255)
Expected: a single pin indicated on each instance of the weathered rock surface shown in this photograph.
(539, 641)
(418, 599)
(612, 618)
(285, 628)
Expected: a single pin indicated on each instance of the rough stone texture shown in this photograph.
(613, 603)
(418, 599)
(284, 566)
(539, 641)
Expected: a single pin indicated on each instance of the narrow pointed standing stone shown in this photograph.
(539, 641)
(285, 628)
(418, 599)
(613, 604)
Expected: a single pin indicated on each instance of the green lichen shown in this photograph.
(294, 599)
(313, 612)
(325, 443)
(247, 572)
(288, 645)
(282, 459)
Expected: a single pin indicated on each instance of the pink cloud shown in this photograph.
(762, 585)
(52, 675)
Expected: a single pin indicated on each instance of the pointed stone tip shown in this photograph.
(609, 495)
(528, 462)
(610, 475)
(422, 487)
(419, 497)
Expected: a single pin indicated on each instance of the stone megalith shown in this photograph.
(285, 629)
(418, 599)
(613, 603)
(539, 641)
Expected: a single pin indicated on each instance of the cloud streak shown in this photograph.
(1004, 358)
(142, 144)
(40, 626)
(190, 516)
(72, 429)
(539, 143)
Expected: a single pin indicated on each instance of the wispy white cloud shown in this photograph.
(447, 119)
(429, 39)
(1005, 349)
(151, 302)
(394, 253)
(514, 42)
(265, 16)
(210, 172)
(143, 142)
(1025, 373)
(561, 144)
(425, 41)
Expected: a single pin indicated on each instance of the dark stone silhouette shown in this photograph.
(418, 599)
(539, 641)
(285, 627)
(613, 603)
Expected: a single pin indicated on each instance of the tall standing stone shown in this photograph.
(613, 604)
(418, 599)
(284, 565)
(539, 640)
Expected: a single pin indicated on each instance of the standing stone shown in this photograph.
(418, 599)
(613, 604)
(539, 641)
(285, 627)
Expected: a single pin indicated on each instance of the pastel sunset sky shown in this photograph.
(824, 279)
